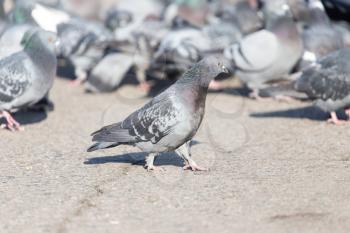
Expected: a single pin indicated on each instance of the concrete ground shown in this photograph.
(274, 167)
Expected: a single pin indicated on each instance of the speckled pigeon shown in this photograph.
(319, 36)
(170, 120)
(27, 76)
(328, 82)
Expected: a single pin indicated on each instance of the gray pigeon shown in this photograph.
(319, 36)
(269, 54)
(82, 47)
(243, 15)
(27, 76)
(170, 120)
(328, 82)
(109, 72)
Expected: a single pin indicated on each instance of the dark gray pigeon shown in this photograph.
(319, 36)
(269, 54)
(169, 121)
(328, 82)
(27, 76)
(109, 72)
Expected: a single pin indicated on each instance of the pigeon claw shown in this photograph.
(195, 167)
(154, 168)
(335, 120)
(11, 124)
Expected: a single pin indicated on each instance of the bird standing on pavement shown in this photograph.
(169, 121)
(269, 54)
(328, 82)
(27, 76)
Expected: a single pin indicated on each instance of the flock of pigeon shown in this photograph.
(277, 48)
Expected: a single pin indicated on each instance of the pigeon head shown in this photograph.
(37, 39)
(215, 65)
(118, 19)
(211, 67)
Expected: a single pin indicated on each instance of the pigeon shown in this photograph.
(109, 72)
(116, 18)
(270, 54)
(138, 11)
(243, 15)
(319, 36)
(328, 82)
(82, 45)
(83, 42)
(170, 120)
(27, 76)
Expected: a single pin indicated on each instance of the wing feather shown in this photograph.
(14, 78)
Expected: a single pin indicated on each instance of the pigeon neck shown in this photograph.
(284, 28)
(42, 55)
(194, 78)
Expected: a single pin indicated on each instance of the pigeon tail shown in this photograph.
(282, 89)
(102, 145)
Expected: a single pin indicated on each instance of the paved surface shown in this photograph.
(275, 167)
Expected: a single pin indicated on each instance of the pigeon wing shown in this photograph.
(151, 123)
(256, 52)
(14, 79)
(329, 79)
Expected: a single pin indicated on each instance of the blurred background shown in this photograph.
(103, 42)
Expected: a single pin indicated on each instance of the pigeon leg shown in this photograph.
(255, 95)
(149, 163)
(81, 77)
(185, 153)
(347, 111)
(216, 86)
(11, 124)
(141, 77)
(334, 119)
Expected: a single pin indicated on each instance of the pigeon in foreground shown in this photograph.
(27, 76)
(169, 121)
(328, 82)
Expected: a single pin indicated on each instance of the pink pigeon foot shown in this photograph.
(216, 86)
(194, 167)
(335, 120)
(11, 123)
(154, 168)
(76, 82)
(145, 86)
(347, 112)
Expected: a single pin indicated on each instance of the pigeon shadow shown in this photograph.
(235, 91)
(164, 159)
(310, 112)
(138, 158)
(28, 117)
